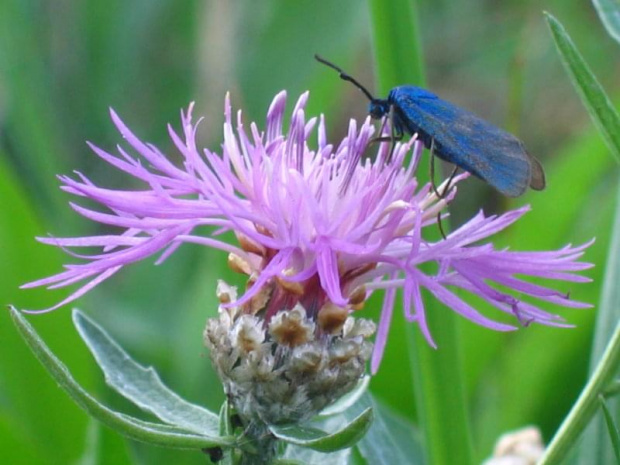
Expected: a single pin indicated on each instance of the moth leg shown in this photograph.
(450, 179)
(396, 135)
(389, 138)
(446, 188)
(434, 187)
(381, 138)
(432, 170)
(440, 226)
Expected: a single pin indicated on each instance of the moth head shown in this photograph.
(378, 108)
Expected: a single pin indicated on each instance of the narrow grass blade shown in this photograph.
(585, 407)
(396, 43)
(595, 445)
(595, 99)
(614, 435)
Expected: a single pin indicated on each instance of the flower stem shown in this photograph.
(439, 389)
(262, 446)
(437, 377)
(585, 407)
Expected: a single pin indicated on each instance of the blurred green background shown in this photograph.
(64, 63)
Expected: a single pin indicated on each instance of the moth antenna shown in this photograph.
(346, 77)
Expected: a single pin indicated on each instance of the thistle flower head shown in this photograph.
(287, 370)
(319, 228)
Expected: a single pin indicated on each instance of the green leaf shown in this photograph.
(613, 389)
(327, 423)
(153, 433)
(599, 106)
(301, 455)
(142, 385)
(614, 435)
(594, 447)
(316, 439)
(390, 439)
(348, 399)
(609, 12)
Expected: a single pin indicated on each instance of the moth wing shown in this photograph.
(473, 144)
(537, 182)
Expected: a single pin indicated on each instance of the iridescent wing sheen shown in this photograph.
(464, 139)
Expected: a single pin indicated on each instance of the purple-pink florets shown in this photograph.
(324, 226)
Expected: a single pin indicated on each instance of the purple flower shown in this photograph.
(321, 227)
